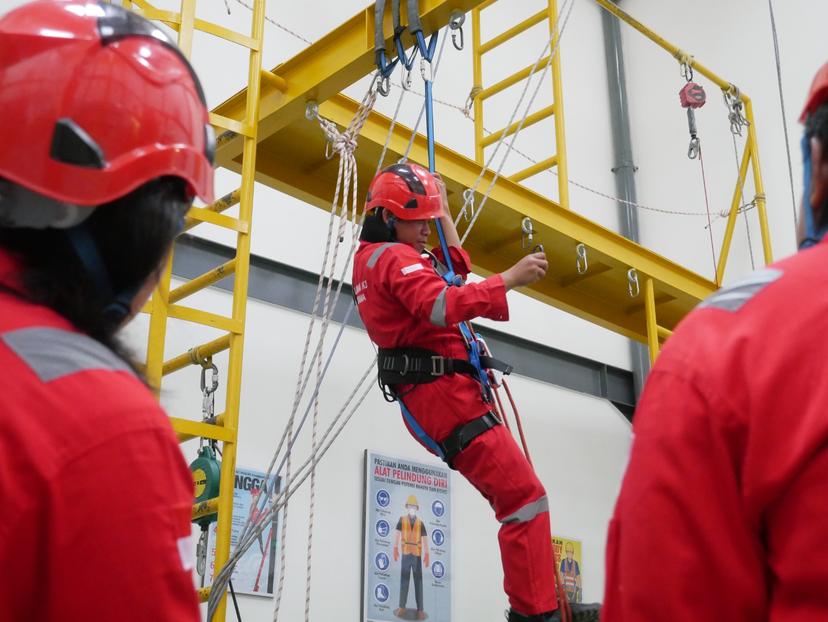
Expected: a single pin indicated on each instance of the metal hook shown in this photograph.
(633, 286)
(581, 259)
(312, 110)
(213, 380)
(426, 70)
(528, 232)
(468, 201)
(456, 22)
(694, 149)
(405, 79)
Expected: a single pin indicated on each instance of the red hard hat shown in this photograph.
(96, 101)
(408, 191)
(818, 94)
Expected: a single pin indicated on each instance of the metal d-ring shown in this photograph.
(456, 21)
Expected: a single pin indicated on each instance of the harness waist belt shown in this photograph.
(463, 435)
(421, 366)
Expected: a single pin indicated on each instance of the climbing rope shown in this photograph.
(557, 37)
(784, 113)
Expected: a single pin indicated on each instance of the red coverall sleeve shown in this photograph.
(427, 296)
(459, 257)
(678, 549)
(120, 549)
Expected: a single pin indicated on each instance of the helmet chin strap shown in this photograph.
(813, 235)
(118, 304)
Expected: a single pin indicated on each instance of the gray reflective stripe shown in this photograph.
(438, 311)
(374, 258)
(53, 353)
(734, 297)
(528, 511)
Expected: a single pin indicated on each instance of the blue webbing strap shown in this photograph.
(425, 439)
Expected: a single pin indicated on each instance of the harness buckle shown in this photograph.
(406, 362)
(438, 366)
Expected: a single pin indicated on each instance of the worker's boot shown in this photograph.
(580, 613)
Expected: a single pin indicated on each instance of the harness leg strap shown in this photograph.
(463, 435)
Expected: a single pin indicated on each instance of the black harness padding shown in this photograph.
(421, 366)
(463, 435)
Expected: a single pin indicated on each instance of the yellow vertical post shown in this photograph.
(557, 96)
(477, 73)
(758, 182)
(652, 323)
(234, 373)
(734, 214)
(185, 33)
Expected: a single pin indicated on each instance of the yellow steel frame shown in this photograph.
(162, 306)
(750, 160)
(480, 94)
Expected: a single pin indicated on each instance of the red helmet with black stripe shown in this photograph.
(818, 94)
(97, 101)
(408, 191)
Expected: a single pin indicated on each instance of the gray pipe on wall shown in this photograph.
(625, 168)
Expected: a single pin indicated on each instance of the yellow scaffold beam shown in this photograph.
(335, 62)
(293, 161)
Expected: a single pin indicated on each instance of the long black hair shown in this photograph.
(816, 126)
(375, 229)
(133, 235)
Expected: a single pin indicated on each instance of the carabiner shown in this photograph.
(528, 232)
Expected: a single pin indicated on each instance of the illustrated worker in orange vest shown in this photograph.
(571, 574)
(412, 533)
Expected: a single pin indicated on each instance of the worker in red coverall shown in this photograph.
(722, 513)
(412, 314)
(104, 141)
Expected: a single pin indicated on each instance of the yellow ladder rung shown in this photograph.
(205, 280)
(664, 333)
(205, 318)
(205, 508)
(534, 169)
(485, 5)
(194, 355)
(513, 79)
(220, 205)
(200, 214)
(277, 82)
(514, 31)
(231, 124)
(226, 34)
(531, 119)
(187, 429)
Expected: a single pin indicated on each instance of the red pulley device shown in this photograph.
(692, 96)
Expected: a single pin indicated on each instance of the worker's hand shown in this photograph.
(528, 270)
(425, 561)
(396, 554)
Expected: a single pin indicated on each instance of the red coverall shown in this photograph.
(404, 303)
(96, 494)
(723, 514)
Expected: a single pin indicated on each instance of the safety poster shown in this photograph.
(407, 553)
(255, 573)
(568, 554)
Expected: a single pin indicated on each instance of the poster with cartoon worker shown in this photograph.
(568, 554)
(407, 541)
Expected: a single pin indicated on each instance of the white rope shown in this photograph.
(344, 144)
(784, 114)
(274, 22)
(469, 198)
